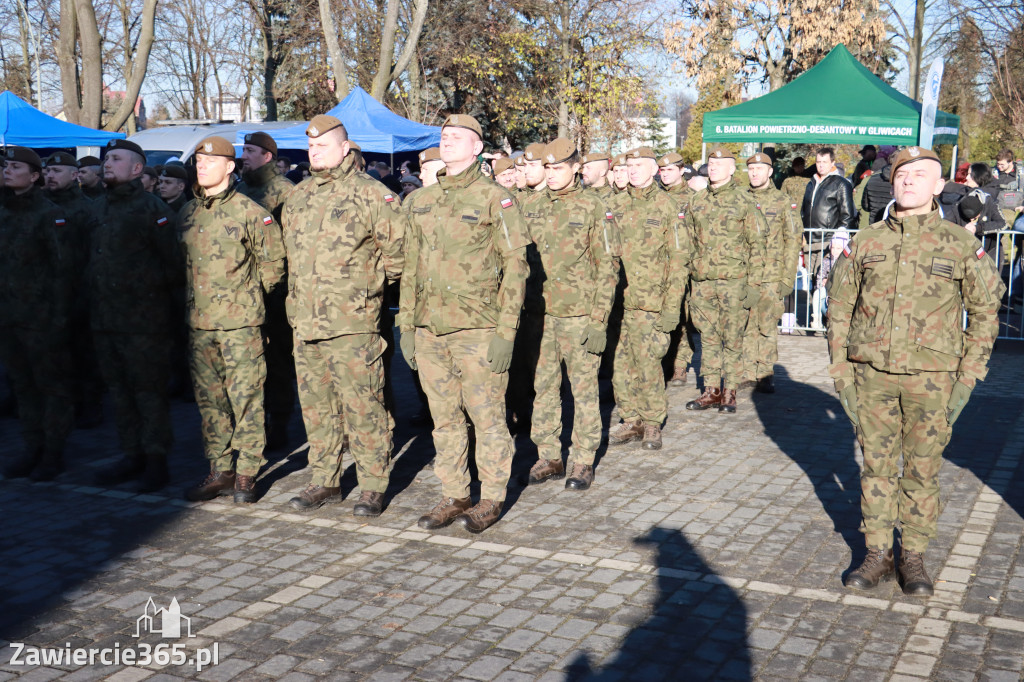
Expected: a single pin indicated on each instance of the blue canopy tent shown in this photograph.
(24, 125)
(370, 124)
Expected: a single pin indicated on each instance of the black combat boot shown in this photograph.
(154, 475)
(24, 464)
(128, 468)
(49, 466)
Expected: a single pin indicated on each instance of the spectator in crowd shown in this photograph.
(868, 153)
(410, 183)
(877, 190)
(819, 299)
(863, 217)
(827, 205)
(961, 172)
(979, 176)
(796, 184)
(284, 164)
(149, 179)
(1011, 187)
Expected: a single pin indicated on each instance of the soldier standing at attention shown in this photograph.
(460, 304)
(656, 259)
(782, 255)
(171, 187)
(233, 253)
(90, 177)
(134, 268)
(505, 173)
(62, 188)
(263, 184)
(903, 368)
(37, 270)
(430, 163)
(671, 174)
(343, 236)
(595, 175)
(620, 174)
(726, 276)
(578, 243)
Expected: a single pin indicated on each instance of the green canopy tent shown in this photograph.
(839, 101)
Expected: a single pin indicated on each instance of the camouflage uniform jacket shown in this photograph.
(897, 295)
(782, 256)
(794, 187)
(80, 211)
(134, 264)
(343, 234)
(656, 249)
(37, 266)
(681, 192)
(266, 187)
(578, 242)
(467, 257)
(233, 253)
(728, 235)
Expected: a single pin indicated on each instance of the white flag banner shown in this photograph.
(930, 105)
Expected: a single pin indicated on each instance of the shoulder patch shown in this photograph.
(162, 220)
(389, 198)
(846, 250)
(60, 222)
(793, 206)
(608, 215)
(267, 220)
(980, 253)
(682, 215)
(506, 202)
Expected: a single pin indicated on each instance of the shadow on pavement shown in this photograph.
(810, 427)
(697, 630)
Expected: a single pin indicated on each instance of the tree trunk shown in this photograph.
(565, 56)
(334, 50)
(387, 67)
(916, 52)
(415, 91)
(139, 64)
(90, 93)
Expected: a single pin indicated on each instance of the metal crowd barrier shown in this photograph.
(801, 311)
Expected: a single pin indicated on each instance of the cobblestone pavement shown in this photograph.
(719, 557)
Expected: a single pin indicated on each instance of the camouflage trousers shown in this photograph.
(721, 320)
(341, 390)
(561, 343)
(901, 414)
(228, 372)
(639, 380)
(39, 369)
(136, 368)
(761, 340)
(279, 390)
(456, 375)
(680, 346)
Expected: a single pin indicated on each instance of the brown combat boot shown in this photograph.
(245, 489)
(544, 470)
(215, 484)
(626, 432)
(444, 512)
(369, 504)
(728, 404)
(580, 477)
(878, 566)
(652, 437)
(678, 377)
(314, 497)
(481, 517)
(711, 397)
(913, 578)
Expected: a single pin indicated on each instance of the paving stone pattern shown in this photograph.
(719, 557)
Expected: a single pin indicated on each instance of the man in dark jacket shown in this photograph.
(828, 204)
(878, 192)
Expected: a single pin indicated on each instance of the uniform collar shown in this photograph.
(220, 198)
(568, 190)
(126, 190)
(463, 179)
(344, 169)
(724, 189)
(24, 200)
(915, 223)
(67, 194)
(261, 175)
(638, 193)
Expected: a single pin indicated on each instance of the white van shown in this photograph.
(179, 141)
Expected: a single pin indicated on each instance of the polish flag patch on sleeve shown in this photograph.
(388, 198)
(60, 222)
(846, 251)
(608, 215)
(506, 202)
(682, 215)
(793, 206)
(268, 220)
(980, 253)
(162, 220)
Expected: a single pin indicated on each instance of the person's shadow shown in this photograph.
(811, 428)
(697, 631)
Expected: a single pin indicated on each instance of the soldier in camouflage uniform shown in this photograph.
(656, 258)
(595, 175)
(680, 349)
(620, 174)
(430, 163)
(578, 243)
(171, 188)
(903, 368)
(134, 268)
(460, 303)
(726, 278)
(782, 256)
(505, 173)
(233, 254)
(90, 177)
(263, 184)
(62, 188)
(795, 186)
(37, 278)
(343, 236)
